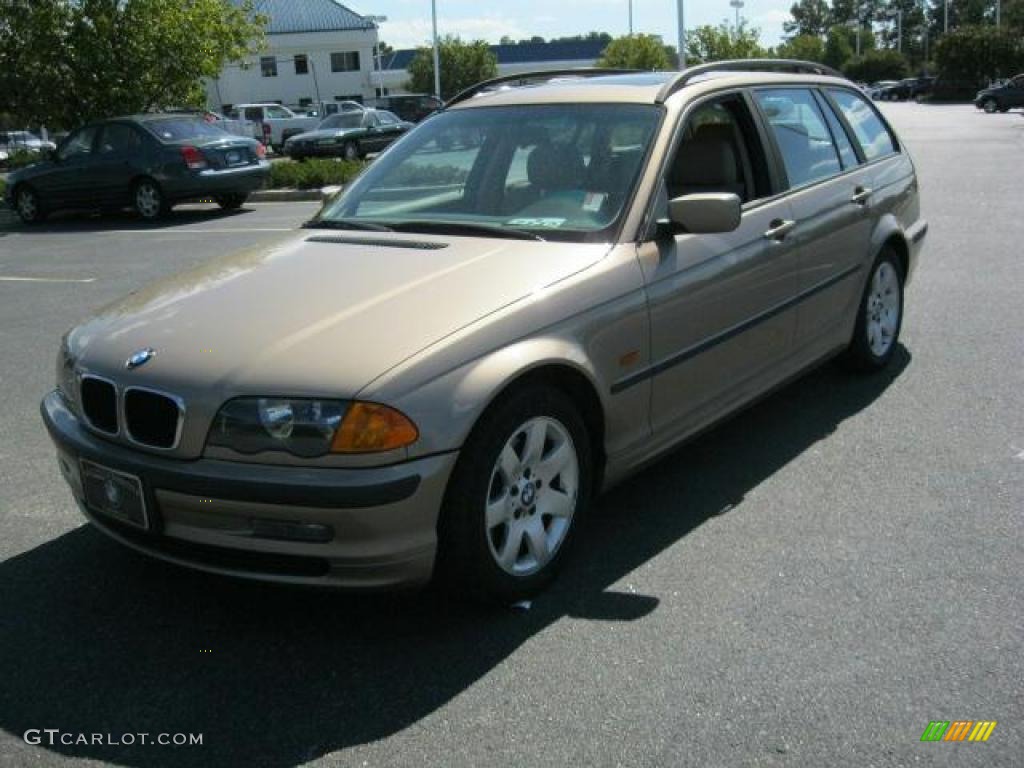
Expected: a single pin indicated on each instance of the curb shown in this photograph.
(292, 195)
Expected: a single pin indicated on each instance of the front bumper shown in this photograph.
(235, 518)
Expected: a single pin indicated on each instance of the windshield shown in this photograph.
(185, 128)
(557, 172)
(344, 120)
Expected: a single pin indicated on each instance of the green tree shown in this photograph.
(708, 43)
(810, 17)
(635, 52)
(802, 47)
(116, 56)
(838, 50)
(876, 65)
(462, 65)
(979, 54)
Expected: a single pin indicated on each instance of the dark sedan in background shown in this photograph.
(1001, 97)
(148, 162)
(349, 135)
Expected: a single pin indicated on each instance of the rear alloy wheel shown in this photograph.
(880, 316)
(517, 496)
(149, 200)
(350, 151)
(232, 202)
(990, 105)
(26, 202)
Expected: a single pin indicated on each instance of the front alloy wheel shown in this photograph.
(990, 106)
(517, 496)
(350, 151)
(28, 207)
(532, 496)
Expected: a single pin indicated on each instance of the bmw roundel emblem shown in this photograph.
(141, 357)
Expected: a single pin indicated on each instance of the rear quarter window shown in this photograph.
(872, 134)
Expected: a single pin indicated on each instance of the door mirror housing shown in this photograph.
(705, 213)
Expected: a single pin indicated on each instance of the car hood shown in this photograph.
(319, 313)
(324, 134)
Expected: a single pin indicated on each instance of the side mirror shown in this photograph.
(705, 213)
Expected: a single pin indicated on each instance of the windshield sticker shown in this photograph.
(593, 201)
(539, 223)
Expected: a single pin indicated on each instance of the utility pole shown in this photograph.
(630, 18)
(945, 14)
(898, 13)
(437, 53)
(999, 12)
(682, 36)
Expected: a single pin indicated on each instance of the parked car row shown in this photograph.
(12, 142)
(908, 89)
(148, 162)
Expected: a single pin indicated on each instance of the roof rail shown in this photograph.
(522, 77)
(793, 66)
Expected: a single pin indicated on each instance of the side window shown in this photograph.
(254, 113)
(720, 152)
(277, 113)
(801, 134)
(79, 144)
(871, 132)
(846, 152)
(120, 139)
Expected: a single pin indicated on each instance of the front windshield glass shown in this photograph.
(557, 172)
(342, 121)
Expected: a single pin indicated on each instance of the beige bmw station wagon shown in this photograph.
(536, 291)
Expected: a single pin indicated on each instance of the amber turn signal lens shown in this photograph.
(370, 427)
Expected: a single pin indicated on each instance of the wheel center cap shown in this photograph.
(529, 495)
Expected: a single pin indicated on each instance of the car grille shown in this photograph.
(99, 404)
(151, 418)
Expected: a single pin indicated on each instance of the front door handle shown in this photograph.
(779, 228)
(861, 195)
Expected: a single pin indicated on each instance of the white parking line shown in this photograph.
(4, 279)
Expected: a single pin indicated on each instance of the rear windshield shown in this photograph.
(184, 128)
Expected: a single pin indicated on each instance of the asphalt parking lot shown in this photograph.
(808, 585)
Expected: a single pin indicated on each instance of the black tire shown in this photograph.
(860, 354)
(990, 105)
(232, 202)
(350, 151)
(148, 200)
(28, 205)
(465, 561)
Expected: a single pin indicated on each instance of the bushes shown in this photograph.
(19, 158)
(313, 173)
(978, 54)
(876, 65)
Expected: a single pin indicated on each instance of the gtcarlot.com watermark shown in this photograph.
(54, 736)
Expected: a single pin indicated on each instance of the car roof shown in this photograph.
(638, 88)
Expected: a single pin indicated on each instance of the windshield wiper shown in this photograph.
(346, 224)
(465, 228)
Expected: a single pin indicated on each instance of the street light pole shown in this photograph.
(945, 14)
(682, 35)
(437, 53)
(377, 21)
(631, 18)
(898, 13)
(737, 4)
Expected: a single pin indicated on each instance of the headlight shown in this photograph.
(309, 428)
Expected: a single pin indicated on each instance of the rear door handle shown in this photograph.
(779, 228)
(861, 195)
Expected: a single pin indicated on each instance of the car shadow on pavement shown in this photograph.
(71, 222)
(97, 639)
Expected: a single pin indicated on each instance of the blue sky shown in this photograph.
(408, 22)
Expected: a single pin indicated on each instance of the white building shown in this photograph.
(317, 51)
